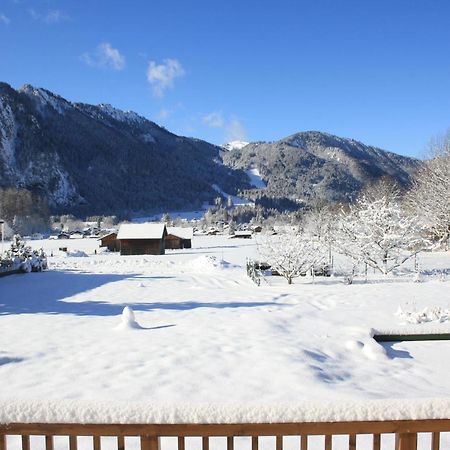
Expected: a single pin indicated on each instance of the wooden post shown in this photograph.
(328, 442)
(230, 443)
(254, 442)
(181, 443)
(73, 443)
(120, 443)
(406, 441)
(205, 443)
(97, 444)
(152, 442)
(2, 442)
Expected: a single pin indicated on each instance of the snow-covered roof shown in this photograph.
(181, 232)
(141, 231)
(106, 235)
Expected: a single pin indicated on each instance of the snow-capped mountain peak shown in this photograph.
(234, 145)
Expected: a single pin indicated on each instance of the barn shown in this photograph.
(178, 237)
(142, 238)
(110, 242)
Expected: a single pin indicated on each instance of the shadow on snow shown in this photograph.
(45, 293)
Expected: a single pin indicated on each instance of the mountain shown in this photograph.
(90, 159)
(96, 159)
(313, 164)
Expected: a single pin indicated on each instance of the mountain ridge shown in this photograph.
(98, 159)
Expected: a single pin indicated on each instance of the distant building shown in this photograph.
(110, 242)
(178, 237)
(77, 235)
(142, 238)
(241, 235)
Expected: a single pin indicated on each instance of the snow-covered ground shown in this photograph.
(255, 178)
(209, 336)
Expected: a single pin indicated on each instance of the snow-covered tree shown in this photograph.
(375, 231)
(429, 197)
(291, 255)
(24, 258)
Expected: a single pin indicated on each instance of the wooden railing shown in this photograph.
(406, 433)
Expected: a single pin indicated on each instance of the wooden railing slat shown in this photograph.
(48, 442)
(230, 443)
(436, 441)
(279, 443)
(73, 444)
(2, 442)
(120, 442)
(97, 443)
(25, 442)
(352, 442)
(255, 443)
(376, 442)
(205, 443)
(304, 442)
(328, 442)
(181, 443)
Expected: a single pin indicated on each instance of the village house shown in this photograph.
(142, 238)
(110, 242)
(178, 237)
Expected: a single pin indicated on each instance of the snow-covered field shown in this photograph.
(209, 336)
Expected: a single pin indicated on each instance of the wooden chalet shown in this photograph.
(142, 238)
(178, 237)
(110, 242)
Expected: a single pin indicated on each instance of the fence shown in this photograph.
(406, 434)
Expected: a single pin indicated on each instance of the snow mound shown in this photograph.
(205, 264)
(128, 320)
(428, 314)
(77, 254)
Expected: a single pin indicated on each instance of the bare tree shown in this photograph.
(291, 255)
(375, 231)
(429, 197)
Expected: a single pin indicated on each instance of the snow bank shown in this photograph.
(70, 411)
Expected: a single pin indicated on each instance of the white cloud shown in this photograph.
(104, 56)
(214, 120)
(164, 113)
(55, 16)
(235, 131)
(50, 17)
(162, 76)
(4, 19)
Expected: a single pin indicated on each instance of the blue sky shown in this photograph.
(376, 71)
